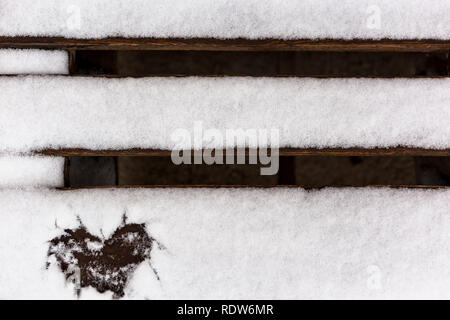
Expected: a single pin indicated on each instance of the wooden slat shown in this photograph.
(397, 151)
(72, 62)
(201, 186)
(225, 44)
(114, 76)
(448, 63)
(66, 172)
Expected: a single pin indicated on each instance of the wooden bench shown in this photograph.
(114, 45)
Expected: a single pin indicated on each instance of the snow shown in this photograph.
(38, 112)
(284, 19)
(251, 244)
(16, 61)
(31, 171)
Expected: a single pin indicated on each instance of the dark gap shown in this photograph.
(94, 63)
(66, 172)
(265, 63)
(448, 63)
(433, 170)
(308, 171)
(286, 172)
(92, 171)
(161, 171)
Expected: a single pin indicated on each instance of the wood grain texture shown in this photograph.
(397, 151)
(72, 61)
(321, 76)
(66, 172)
(448, 63)
(209, 44)
(248, 187)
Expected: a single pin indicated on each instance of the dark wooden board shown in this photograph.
(250, 187)
(225, 44)
(397, 151)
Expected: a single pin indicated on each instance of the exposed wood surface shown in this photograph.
(321, 76)
(178, 75)
(397, 151)
(66, 172)
(249, 187)
(72, 62)
(448, 63)
(224, 44)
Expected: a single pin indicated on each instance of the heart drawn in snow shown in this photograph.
(104, 264)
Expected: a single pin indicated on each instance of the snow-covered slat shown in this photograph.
(252, 244)
(16, 61)
(29, 171)
(228, 19)
(38, 113)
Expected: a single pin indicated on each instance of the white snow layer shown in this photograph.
(284, 19)
(15, 61)
(95, 113)
(242, 244)
(31, 171)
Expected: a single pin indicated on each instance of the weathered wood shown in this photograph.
(67, 172)
(397, 151)
(114, 76)
(448, 63)
(116, 169)
(72, 61)
(225, 44)
(247, 187)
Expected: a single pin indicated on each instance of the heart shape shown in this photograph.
(104, 264)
